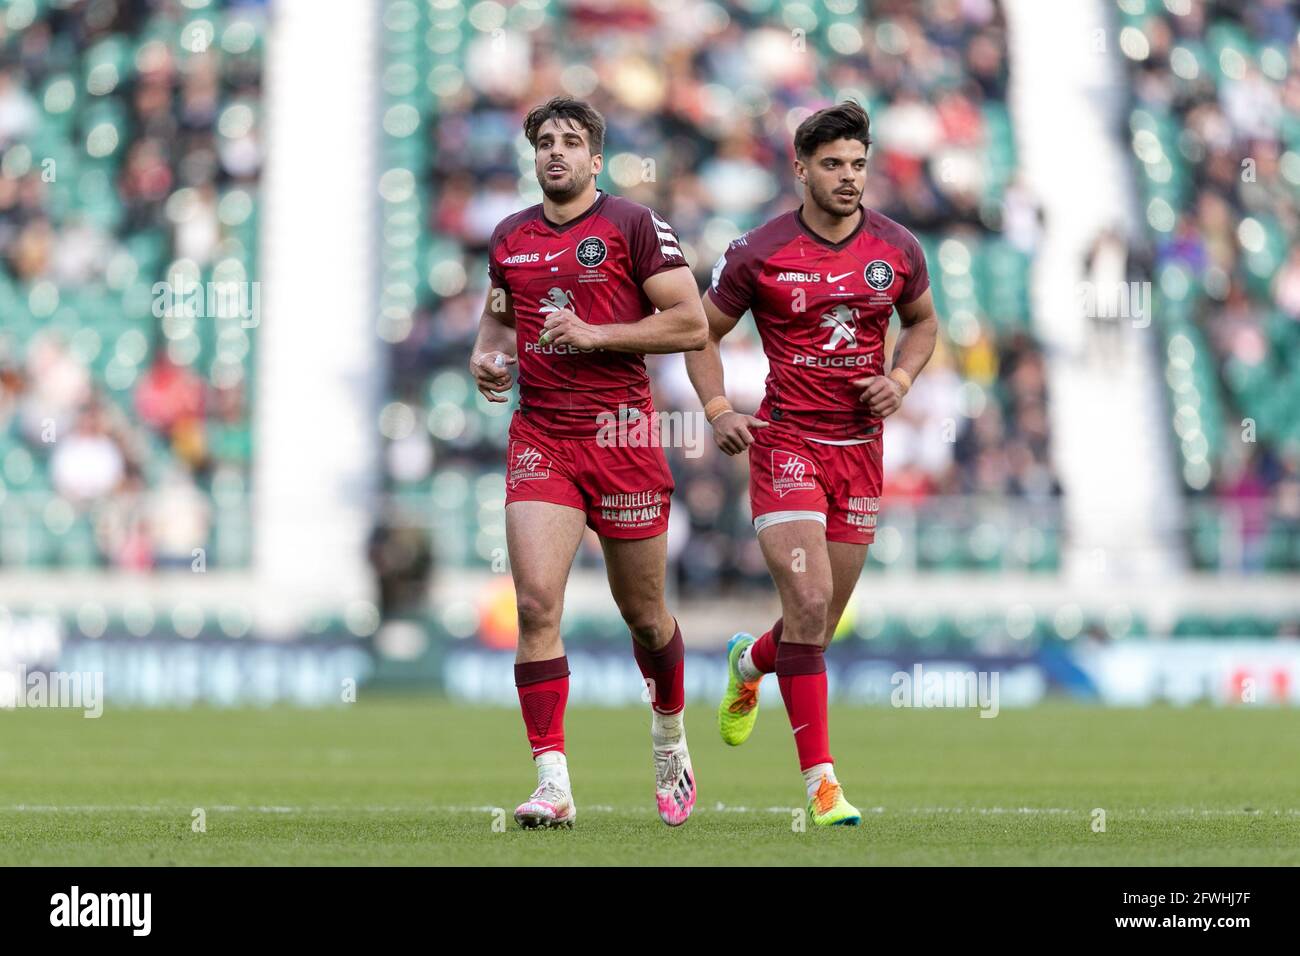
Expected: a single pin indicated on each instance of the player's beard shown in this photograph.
(561, 193)
(832, 204)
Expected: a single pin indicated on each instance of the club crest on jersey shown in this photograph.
(591, 252)
(525, 464)
(791, 472)
(843, 323)
(556, 300)
(879, 274)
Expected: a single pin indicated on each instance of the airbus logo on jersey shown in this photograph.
(791, 472)
(521, 258)
(843, 323)
(798, 277)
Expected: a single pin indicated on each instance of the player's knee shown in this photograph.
(646, 624)
(537, 611)
(808, 613)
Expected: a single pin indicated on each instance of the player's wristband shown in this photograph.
(715, 408)
(902, 378)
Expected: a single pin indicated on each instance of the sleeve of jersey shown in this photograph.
(495, 274)
(732, 286)
(654, 247)
(918, 274)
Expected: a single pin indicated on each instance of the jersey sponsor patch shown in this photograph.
(636, 509)
(843, 325)
(555, 300)
(879, 274)
(861, 512)
(791, 472)
(526, 464)
(591, 252)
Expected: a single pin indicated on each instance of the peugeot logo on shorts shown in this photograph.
(591, 252)
(879, 274)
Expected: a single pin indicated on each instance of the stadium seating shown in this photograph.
(131, 157)
(1217, 151)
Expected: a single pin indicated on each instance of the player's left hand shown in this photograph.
(565, 328)
(882, 395)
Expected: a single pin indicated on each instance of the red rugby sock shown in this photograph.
(801, 672)
(763, 654)
(665, 670)
(543, 691)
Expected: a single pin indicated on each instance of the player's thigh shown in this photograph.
(629, 489)
(854, 478)
(636, 570)
(799, 561)
(846, 568)
(542, 538)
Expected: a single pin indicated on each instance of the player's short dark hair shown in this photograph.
(846, 120)
(577, 112)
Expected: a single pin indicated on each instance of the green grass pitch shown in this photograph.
(414, 781)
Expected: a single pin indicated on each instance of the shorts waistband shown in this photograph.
(823, 424)
(581, 423)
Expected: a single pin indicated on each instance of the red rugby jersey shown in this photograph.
(595, 265)
(822, 311)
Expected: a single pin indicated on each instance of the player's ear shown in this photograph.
(801, 172)
(597, 163)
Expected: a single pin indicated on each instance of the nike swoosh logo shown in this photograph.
(800, 727)
(538, 750)
(554, 255)
(839, 277)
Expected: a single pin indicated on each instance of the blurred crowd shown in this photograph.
(701, 100)
(130, 155)
(1228, 75)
